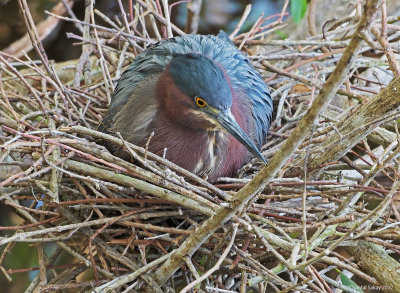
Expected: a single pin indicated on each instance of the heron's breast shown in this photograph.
(213, 151)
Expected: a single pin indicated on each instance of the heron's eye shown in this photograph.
(200, 102)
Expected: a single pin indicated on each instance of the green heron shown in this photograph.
(203, 100)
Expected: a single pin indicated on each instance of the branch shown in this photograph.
(368, 117)
(374, 259)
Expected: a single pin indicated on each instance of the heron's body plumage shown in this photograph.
(138, 106)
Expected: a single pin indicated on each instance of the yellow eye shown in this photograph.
(200, 102)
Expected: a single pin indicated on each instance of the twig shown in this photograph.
(245, 14)
(168, 18)
(193, 16)
(216, 266)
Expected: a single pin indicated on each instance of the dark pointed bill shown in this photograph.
(227, 121)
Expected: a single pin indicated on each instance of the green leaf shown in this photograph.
(203, 260)
(281, 34)
(349, 282)
(298, 9)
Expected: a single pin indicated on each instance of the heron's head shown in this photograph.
(197, 94)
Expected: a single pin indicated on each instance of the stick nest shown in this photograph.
(112, 223)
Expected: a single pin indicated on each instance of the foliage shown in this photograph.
(298, 9)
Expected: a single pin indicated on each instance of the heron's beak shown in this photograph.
(228, 122)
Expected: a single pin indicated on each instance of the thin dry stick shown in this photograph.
(34, 36)
(193, 16)
(168, 18)
(304, 197)
(87, 49)
(251, 31)
(246, 13)
(393, 63)
(106, 73)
